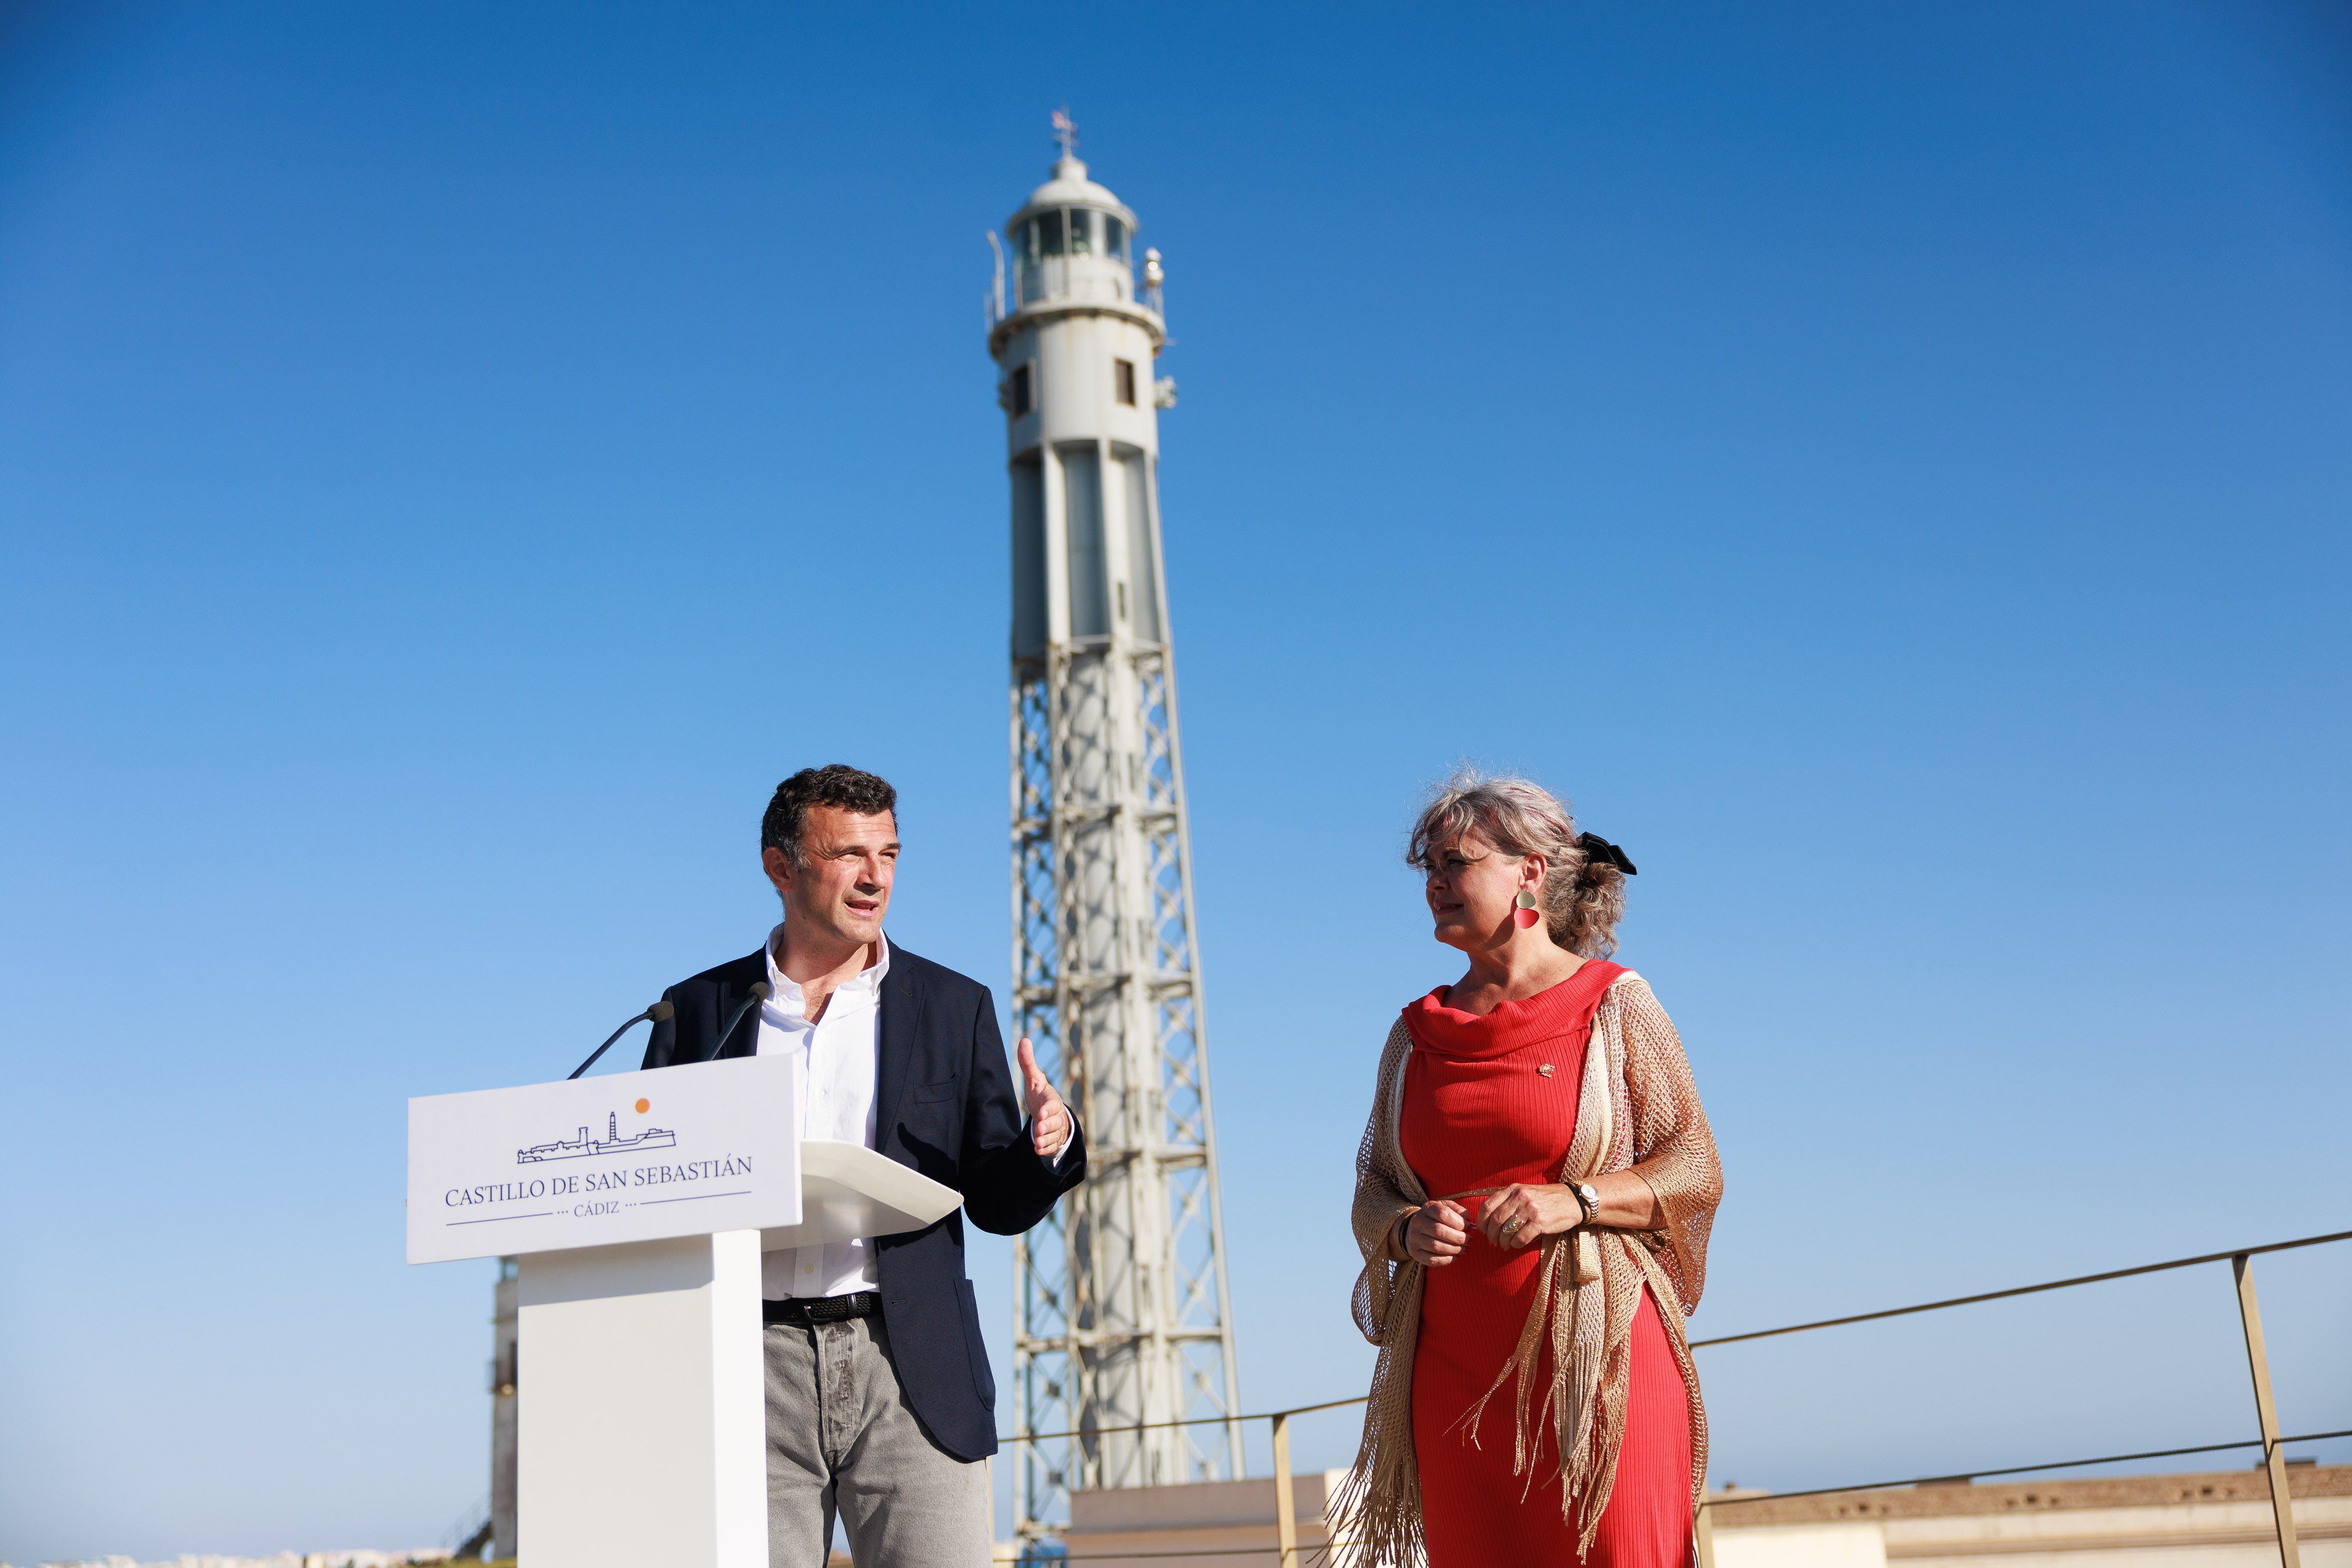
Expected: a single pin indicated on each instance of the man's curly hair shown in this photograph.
(834, 784)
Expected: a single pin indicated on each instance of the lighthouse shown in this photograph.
(1120, 1311)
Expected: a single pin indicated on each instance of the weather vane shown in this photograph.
(1065, 131)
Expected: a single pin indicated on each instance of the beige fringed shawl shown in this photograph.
(1637, 1110)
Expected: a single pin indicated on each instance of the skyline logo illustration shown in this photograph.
(612, 1142)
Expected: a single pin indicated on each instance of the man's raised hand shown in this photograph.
(1049, 1119)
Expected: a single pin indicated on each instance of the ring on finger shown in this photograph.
(1513, 1223)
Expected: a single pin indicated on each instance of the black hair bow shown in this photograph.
(1597, 848)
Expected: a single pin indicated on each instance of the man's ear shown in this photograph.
(778, 865)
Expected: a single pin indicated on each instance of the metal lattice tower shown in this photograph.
(1120, 1313)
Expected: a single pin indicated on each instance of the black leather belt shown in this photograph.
(805, 1310)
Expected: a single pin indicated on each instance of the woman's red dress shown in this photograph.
(1480, 1110)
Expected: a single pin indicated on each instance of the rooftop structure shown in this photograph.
(2217, 1518)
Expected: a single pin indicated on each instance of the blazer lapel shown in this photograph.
(734, 990)
(894, 1051)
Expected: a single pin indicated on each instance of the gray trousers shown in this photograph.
(843, 1440)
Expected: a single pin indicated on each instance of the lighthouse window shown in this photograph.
(1082, 234)
(1028, 280)
(1082, 512)
(1123, 380)
(1135, 476)
(1049, 234)
(1028, 556)
(1113, 238)
(1018, 391)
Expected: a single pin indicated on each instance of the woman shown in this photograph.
(1533, 1196)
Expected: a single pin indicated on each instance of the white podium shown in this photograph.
(640, 1204)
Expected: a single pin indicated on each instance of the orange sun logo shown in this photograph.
(643, 1106)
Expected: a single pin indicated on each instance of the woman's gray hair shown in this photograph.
(1582, 898)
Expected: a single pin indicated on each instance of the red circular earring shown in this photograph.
(1526, 915)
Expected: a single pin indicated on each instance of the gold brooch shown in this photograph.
(1544, 1068)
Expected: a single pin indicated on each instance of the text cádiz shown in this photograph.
(598, 1181)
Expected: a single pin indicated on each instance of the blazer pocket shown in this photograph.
(929, 1093)
(984, 1380)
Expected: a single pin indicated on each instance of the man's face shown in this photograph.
(841, 886)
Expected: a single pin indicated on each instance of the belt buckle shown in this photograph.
(815, 1312)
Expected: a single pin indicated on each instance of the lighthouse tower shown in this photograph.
(1120, 1315)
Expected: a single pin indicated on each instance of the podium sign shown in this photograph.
(640, 1204)
(592, 1162)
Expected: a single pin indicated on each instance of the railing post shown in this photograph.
(1286, 1507)
(2266, 1412)
(1703, 1532)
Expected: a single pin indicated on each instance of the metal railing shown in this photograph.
(1051, 280)
(1287, 1553)
(465, 1538)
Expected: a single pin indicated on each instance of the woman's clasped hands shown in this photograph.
(1525, 1212)
(1435, 1231)
(1518, 1215)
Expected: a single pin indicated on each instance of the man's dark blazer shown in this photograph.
(944, 1103)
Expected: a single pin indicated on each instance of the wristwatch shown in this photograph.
(1587, 1198)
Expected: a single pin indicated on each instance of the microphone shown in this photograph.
(658, 1013)
(758, 994)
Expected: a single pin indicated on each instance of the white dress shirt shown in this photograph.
(834, 1065)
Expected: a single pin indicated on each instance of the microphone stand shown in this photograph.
(657, 1013)
(760, 989)
(661, 1012)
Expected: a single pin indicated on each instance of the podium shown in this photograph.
(639, 1205)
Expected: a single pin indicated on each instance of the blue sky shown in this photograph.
(1887, 465)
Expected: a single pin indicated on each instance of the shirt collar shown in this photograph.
(865, 982)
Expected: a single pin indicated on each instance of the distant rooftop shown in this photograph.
(1946, 1499)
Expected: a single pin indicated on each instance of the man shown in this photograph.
(881, 1406)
